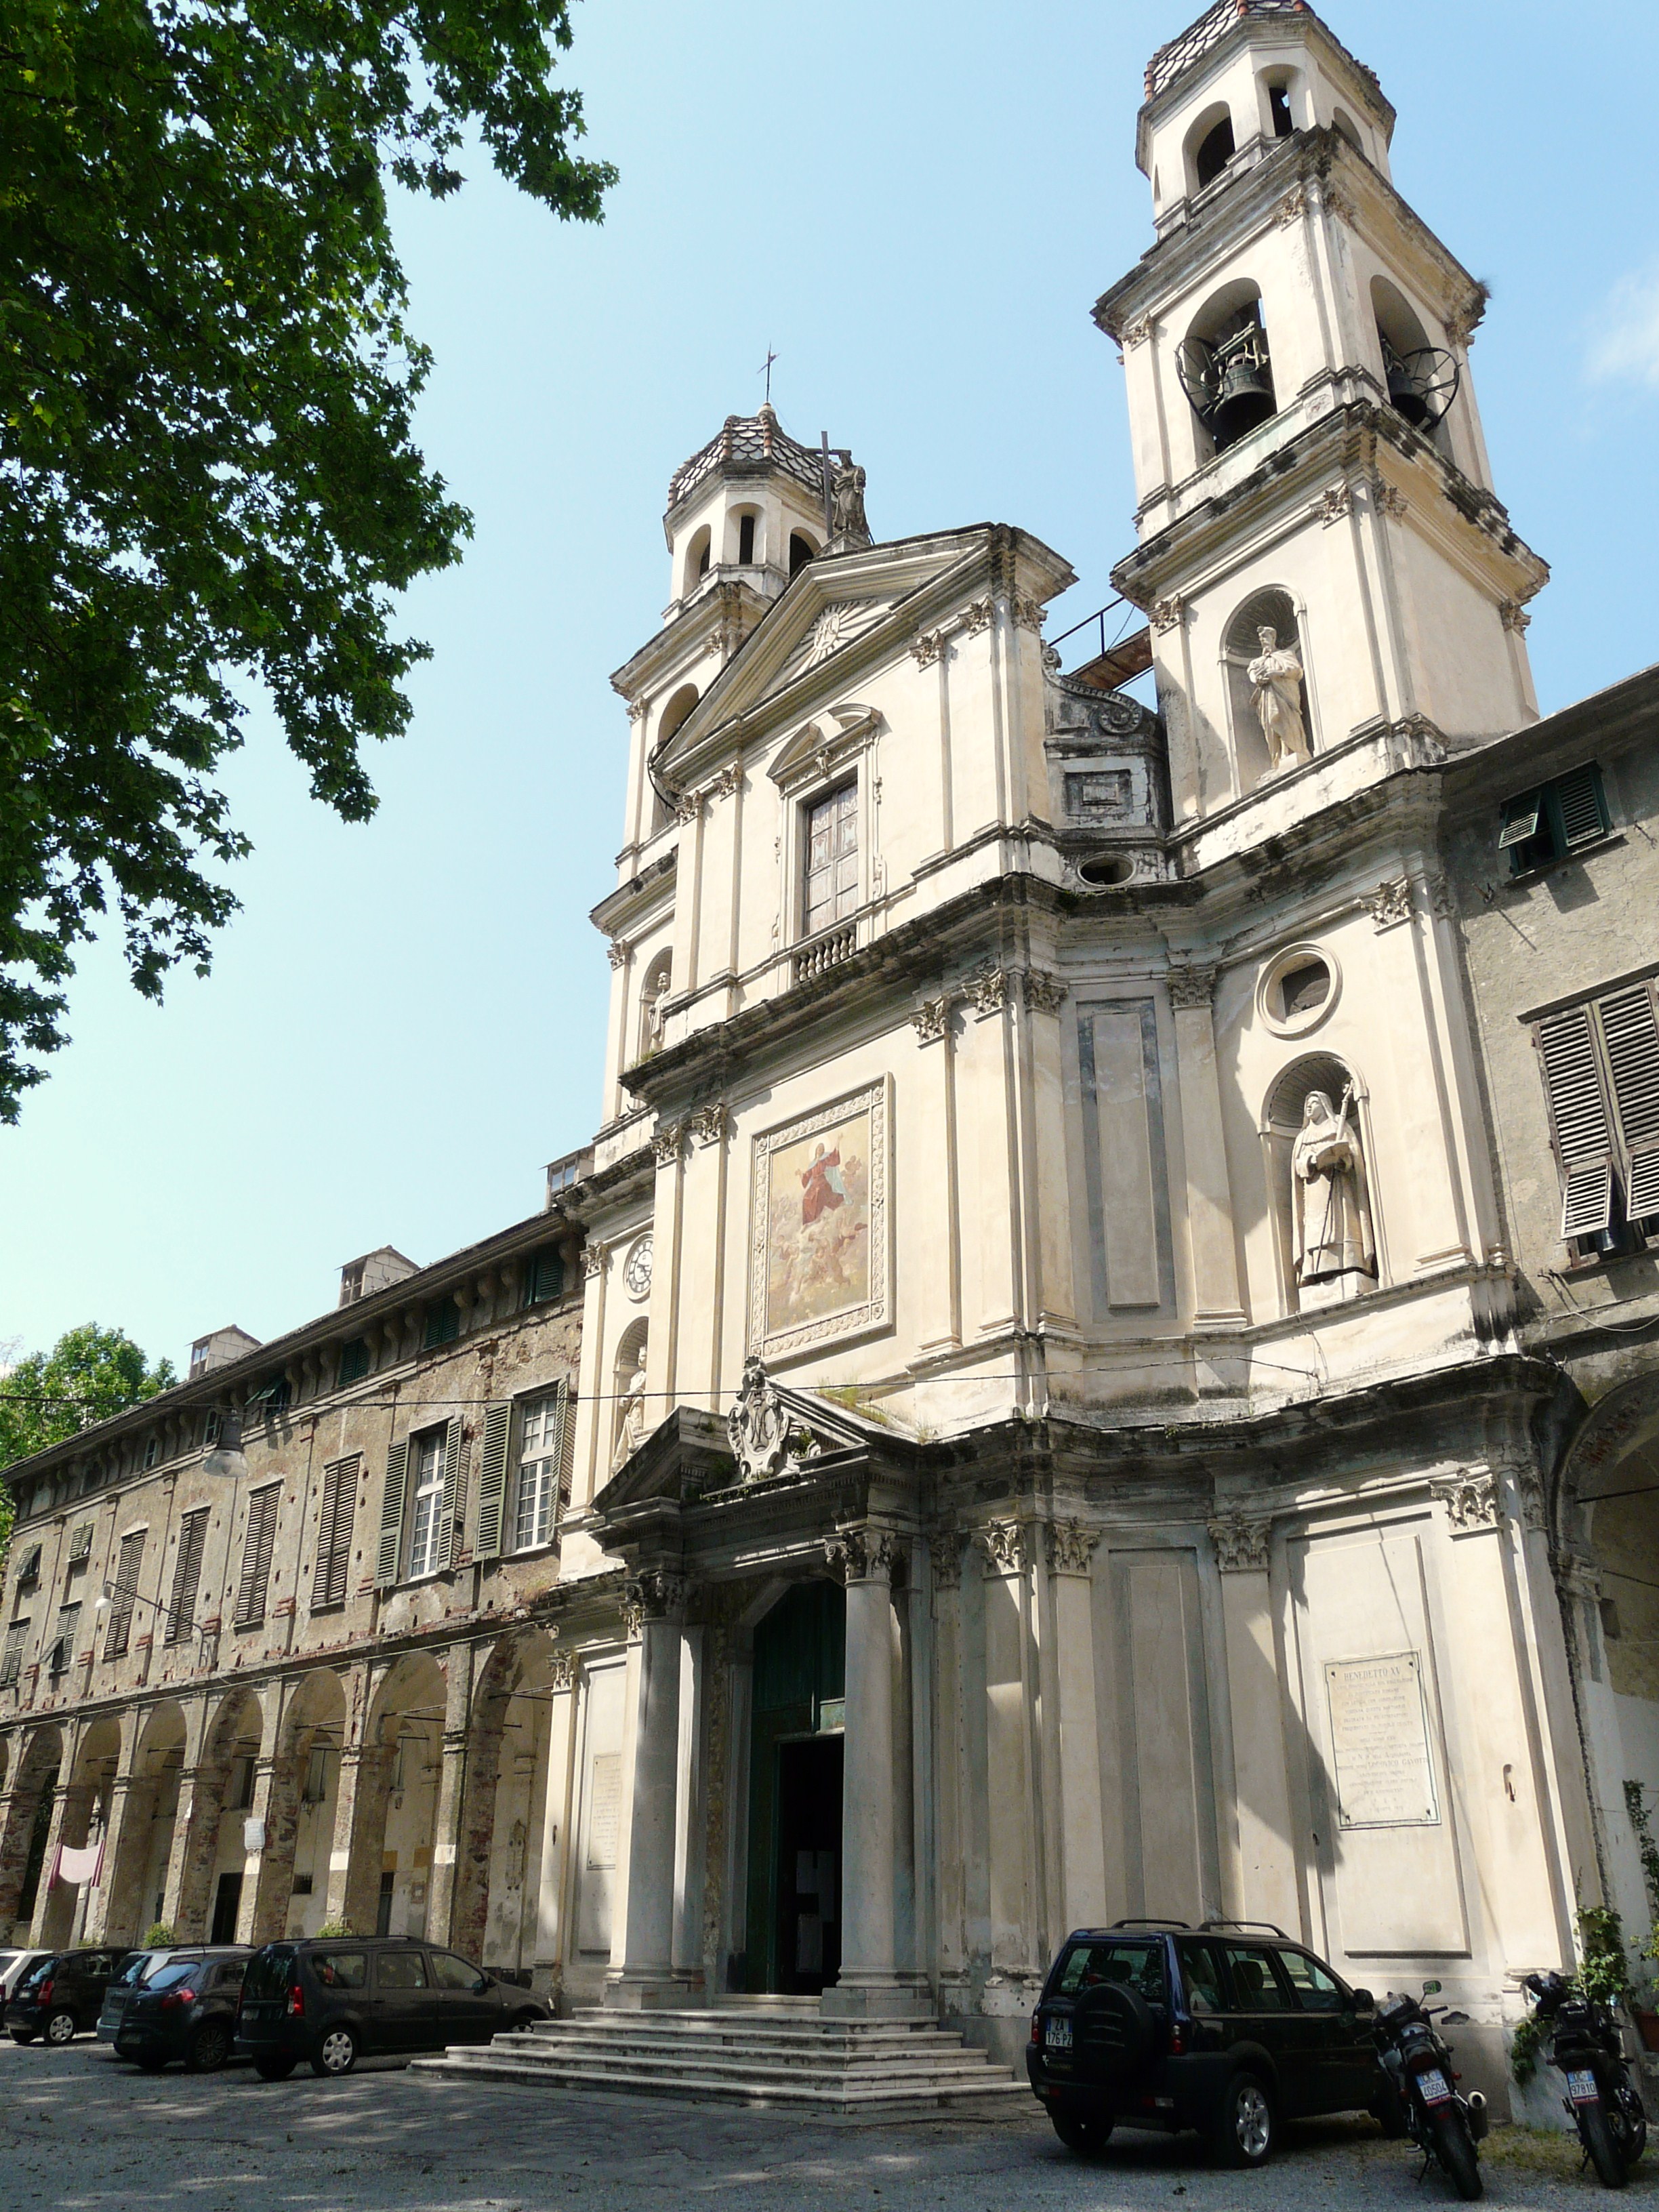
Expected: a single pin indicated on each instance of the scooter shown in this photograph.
(1446, 2126)
(1586, 2045)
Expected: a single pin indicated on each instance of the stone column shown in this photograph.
(257, 1820)
(951, 1846)
(44, 1932)
(556, 1814)
(645, 1976)
(446, 1837)
(112, 1910)
(1263, 1883)
(1012, 1835)
(1082, 1867)
(1216, 1302)
(870, 1983)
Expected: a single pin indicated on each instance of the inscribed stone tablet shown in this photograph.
(605, 1815)
(1380, 1741)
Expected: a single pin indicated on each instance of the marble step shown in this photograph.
(872, 2043)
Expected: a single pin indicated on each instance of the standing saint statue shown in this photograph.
(631, 1424)
(1275, 678)
(848, 528)
(1330, 1194)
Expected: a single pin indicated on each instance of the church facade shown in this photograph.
(1068, 1422)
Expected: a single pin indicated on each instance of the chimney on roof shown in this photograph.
(219, 1349)
(375, 1271)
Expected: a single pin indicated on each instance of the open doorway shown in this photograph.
(808, 1944)
(226, 1904)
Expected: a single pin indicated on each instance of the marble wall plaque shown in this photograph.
(1380, 1742)
(605, 1812)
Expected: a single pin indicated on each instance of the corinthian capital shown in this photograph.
(1243, 1543)
(858, 1555)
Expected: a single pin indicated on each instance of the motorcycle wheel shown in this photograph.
(1630, 2126)
(1454, 2147)
(1606, 2155)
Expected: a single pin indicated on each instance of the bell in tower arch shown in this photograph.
(1229, 378)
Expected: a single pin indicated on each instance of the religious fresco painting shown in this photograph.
(819, 1260)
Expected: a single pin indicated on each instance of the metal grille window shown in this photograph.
(124, 1593)
(334, 1532)
(423, 1547)
(832, 859)
(257, 1548)
(541, 1451)
(11, 1659)
(1556, 819)
(1600, 1064)
(186, 1574)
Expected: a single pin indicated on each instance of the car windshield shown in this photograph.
(1138, 1966)
(269, 1971)
(171, 1977)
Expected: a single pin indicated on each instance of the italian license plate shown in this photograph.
(1582, 2088)
(1436, 2090)
(1057, 2035)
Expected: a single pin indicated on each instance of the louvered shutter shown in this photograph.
(1520, 820)
(1631, 1036)
(1580, 806)
(1578, 1121)
(454, 1497)
(118, 1634)
(334, 1526)
(492, 1480)
(186, 1574)
(257, 1545)
(566, 1448)
(390, 1553)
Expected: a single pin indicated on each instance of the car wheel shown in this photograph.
(274, 2070)
(1084, 2138)
(210, 2050)
(60, 2028)
(522, 2022)
(336, 2053)
(151, 2062)
(1244, 2125)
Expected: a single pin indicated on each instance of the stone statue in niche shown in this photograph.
(1335, 1244)
(631, 1422)
(848, 527)
(1275, 680)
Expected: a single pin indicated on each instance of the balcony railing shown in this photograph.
(821, 953)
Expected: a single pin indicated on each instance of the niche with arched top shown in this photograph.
(1226, 366)
(1421, 379)
(674, 715)
(654, 987)
(801, 551)
(1280, 1126)
(1345, 129)
(744, 540)
(1270, 608)
(1276, 94)
(631, 1418)
(698, 554)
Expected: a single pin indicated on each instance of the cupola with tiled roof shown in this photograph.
(748, 507)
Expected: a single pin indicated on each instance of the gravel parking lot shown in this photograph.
(79, 2131)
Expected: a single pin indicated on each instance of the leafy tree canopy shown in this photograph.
(207, 468)
(89, 1374)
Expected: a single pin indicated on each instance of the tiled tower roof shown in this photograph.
(1174, 60)
(748, 445)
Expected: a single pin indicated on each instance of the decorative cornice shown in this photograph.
(1472, 1500)
(1003, 1544)
(1243, 1543)
(1071, 1547)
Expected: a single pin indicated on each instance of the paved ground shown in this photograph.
(79, 2133)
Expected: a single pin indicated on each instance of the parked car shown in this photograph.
(185, 2009)
(136, 1968)
(13, 1966)
(63, 1995)
(333, 2000)
(1229, 2028)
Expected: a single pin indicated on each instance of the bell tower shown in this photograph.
(1307, 455)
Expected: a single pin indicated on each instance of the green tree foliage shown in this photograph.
(89, 1374)
(207, 478)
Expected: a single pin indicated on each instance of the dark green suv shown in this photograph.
(1230, 2028)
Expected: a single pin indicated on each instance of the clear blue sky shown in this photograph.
(916, 205)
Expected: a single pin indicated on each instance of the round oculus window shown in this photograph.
(1298, 989)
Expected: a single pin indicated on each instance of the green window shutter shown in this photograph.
(1520, 820)
(454, 1497)
(1630, 1032)
(544, 1276)
(390, 1553)
(353, 1361)
(492, 1480)
(443, 1323)
(1580, 807)
(566, 1445)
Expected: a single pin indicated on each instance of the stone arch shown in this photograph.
(698, 554)
(1208, 147)
(630, 1420)
(29, 1805)
(233, 1735)
(1228, 341)
(1280, 1123)
(137, 1875)
(492, 1914)
(394, 1812)
(1606, 1524)
(291, 1883)
(86, 1810)
(655, 983)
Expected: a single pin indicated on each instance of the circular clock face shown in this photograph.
(636, 1269)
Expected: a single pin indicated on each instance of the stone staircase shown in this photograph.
(779, 2058)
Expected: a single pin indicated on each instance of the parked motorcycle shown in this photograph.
(1586, 2045)
(1425, 2101)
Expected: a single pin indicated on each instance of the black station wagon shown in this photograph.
(1228, 2029)
(330, 1999)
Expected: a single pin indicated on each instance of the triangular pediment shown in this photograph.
(693, 1453)
(813, 635)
